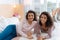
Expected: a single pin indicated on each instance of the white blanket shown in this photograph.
(56, 32)
(23, 38)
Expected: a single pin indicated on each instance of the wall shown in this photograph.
(6, 10)
(9, 7)
(9, 10)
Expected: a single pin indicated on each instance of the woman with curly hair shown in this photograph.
(44, 27)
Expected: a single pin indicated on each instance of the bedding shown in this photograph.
(4, 22)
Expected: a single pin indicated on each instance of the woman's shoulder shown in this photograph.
(36, 23)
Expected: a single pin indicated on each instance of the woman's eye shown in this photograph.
(45, 18)
(41, 17)
(29, 15)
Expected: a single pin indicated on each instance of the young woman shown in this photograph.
(25, 29)
(44, 27)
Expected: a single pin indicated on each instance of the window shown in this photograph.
(36, 1)
(51, 6)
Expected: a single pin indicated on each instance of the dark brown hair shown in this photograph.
(49, 22)
(30, 11)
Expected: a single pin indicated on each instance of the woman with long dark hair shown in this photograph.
(27, 25)
(44, 27)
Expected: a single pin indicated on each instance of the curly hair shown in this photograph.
(49, 21)
(30, 11)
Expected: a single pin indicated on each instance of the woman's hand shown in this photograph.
(29, 35)
(39, 38)
(46, 37)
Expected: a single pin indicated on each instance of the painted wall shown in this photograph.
(6, 10)
(9, 10)
(9, 7)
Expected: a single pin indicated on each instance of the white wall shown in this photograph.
(27, 2)
(9, 1)
(6, 7)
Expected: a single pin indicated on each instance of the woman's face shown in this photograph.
(30, 17)
(43, 19)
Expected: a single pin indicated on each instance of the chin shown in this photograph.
(43, 23)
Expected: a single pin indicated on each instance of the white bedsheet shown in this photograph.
(34, 38)
(56, 32)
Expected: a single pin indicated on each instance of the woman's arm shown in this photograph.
(19, 29)
(37, 29)
(50, 32)
(33, 25)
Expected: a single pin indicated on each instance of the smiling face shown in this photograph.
(43, 19)
(30, 17)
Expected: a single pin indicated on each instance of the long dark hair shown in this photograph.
(30, 11)
(49, 22)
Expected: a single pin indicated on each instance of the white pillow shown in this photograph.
(12, 20)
